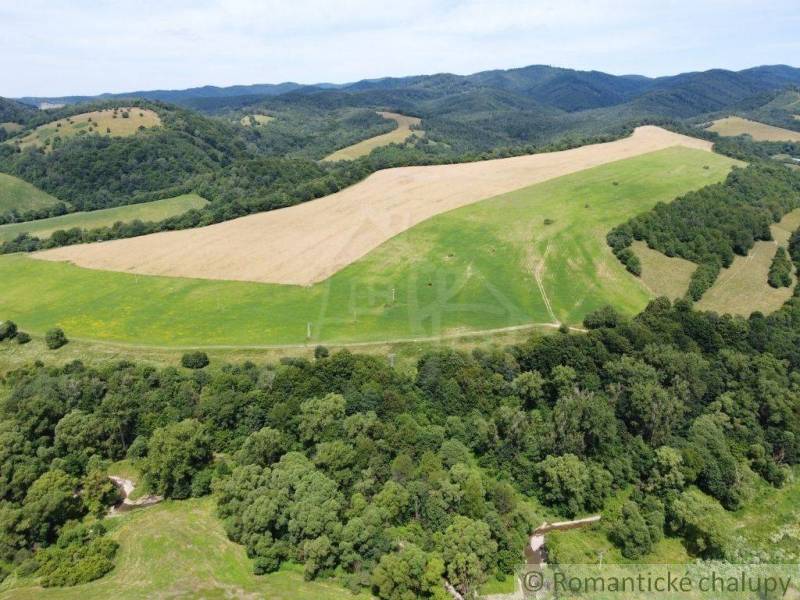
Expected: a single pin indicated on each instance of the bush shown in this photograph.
(55, 338)
(780, 271)
(23, 338)
(321, 352)
(195, 360)
(82, 554)
(8, 329)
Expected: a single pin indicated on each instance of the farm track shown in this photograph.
(334, 344)
(309, 242)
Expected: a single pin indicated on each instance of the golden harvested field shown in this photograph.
(664, 275)
(742, 288)
(309, 242)
(761, 132)
(103, 122)
(255, 120)
(396, 136)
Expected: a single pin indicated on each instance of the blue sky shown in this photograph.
(58, 47)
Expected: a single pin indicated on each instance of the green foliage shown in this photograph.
(780, 271)
(194, 360)
(55, 338)
(637, 529)
(23, 338)
(176, 456)
(702, 523)
(572, 486)
(408, 573)
(8, 329)
(81, 554)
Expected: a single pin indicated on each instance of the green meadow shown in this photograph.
(146, 211)
(535, 255)
(16, 194)
(180, 550)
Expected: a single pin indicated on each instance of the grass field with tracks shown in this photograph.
(536, 255)
(146, 211)
(16, 194)
(180, 550)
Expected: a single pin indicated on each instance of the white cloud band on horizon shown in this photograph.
(52, 48)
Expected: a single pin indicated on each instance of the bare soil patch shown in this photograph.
(309, 242)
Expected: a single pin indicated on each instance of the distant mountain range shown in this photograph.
(565, 89)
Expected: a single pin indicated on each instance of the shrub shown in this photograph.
(321, 352)
(780, 271)
(82, 554)
(23, 338)
(55, 338)
(8, 329)
(194, 360)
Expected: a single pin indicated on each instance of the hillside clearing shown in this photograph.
(146, 211)
(664, 275)
(742, 288)
(255, 120)
(308, 243)
(761, 132)
(11, 127)
(102, 122)
(180, 550)
(469, 270)
(19, 195)
(396, 136)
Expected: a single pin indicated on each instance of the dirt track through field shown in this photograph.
(309, 242)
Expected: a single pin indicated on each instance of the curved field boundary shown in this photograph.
(396, 136)
(308, 243)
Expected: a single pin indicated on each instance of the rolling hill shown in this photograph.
(536, 255)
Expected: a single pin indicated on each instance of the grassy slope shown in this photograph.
(396, 136)
(664, 275)
(180, 550)
(80, 124)
(761, 132)
(742, 288)
(16, 194)
(467, 269)
(148, 211)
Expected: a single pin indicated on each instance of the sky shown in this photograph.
(86, 47)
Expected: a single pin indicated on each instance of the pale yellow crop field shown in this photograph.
(113, 122)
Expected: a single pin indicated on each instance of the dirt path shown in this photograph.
(538, 275)
(126, 487)
(312, 343)
(308, 243)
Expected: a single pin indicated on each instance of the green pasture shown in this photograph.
(146, 211)
(16, 194)
(180, 550)
(491, 265)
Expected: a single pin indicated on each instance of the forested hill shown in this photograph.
(12, 111)
(565, 89)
